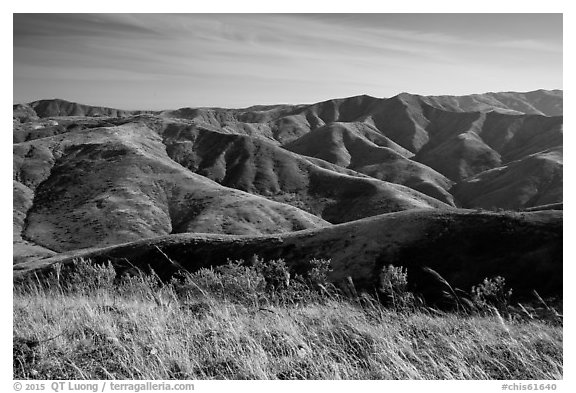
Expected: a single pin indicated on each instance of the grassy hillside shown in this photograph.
(329, 191)
(361, 148)
(540, 102)
(463, 245)
(239, 322)
(109, 185)
(531, 181)
(124, 164)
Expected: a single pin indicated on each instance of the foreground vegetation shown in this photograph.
(260, 321)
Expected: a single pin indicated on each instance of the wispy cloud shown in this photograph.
(231, 60)
(531, 45)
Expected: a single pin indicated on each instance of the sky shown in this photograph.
(169, 61)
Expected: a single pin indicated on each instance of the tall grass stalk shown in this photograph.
(139, 327)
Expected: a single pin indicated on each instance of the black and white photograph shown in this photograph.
(287, 196)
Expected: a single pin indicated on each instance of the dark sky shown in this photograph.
(160, 61)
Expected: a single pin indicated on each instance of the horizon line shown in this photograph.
(289, 104)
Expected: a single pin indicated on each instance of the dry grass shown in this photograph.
(141, 329)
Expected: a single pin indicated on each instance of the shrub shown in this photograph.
(143, 285)
(393, 287)
(80, 276)
(319, 270)
(233, 281)
(492, 292)
(275, 273)
(258, 283)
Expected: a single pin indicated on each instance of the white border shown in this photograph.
(298, 6)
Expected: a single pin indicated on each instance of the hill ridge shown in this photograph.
(556, 92)
(125, 175)
(359, 249)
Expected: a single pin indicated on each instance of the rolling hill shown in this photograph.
(103, 186)
(458, 137)
(93, 177)
(94, 186)
(463, 246)
(259, 167)
(58, 107)
(357, 146)
(531, 181)
(538, 102)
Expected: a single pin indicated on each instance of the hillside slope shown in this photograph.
(259, 167)
(103, 186)
(340, 160)
(538, 102)
(58, 107)
(529, 182)
(357, 146)
(406, 119)
(458, 137)
(463, 246)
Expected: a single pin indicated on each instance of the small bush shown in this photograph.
(275, 272)
(139, 285)
(80, 276)
(393, 287)
(319, 271)
(233, 281)
(90, 276)
(258, 283)
(492, 292)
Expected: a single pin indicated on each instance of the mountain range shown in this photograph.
(88, 177)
